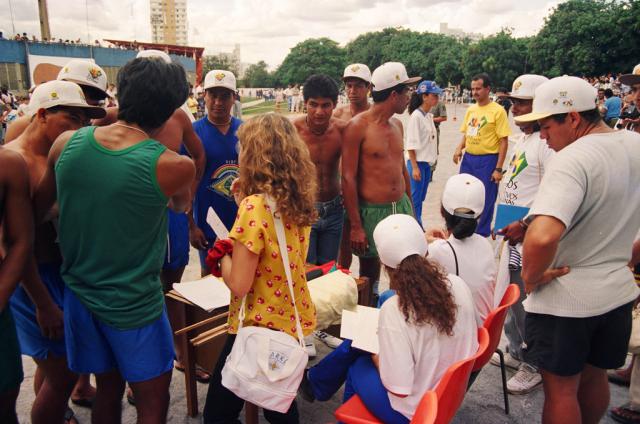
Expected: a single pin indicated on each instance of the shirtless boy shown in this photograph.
(357, 82)
(375, 181)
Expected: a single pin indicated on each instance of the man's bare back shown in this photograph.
(376, 150)
(325, 150)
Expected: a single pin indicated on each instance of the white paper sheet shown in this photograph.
(208, 293)
(217, 225)
(361, 327)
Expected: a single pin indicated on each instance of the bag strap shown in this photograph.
(455, 257)
(282, 243)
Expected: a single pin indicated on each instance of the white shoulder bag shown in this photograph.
(265, 367)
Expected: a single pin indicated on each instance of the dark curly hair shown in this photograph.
(424, 295)
(320, 85)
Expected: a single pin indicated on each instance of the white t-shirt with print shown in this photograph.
(531, 156)
(593, 187)
(422, 137)
(476, 264)
(414, 358)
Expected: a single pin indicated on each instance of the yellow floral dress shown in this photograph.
(268, 301)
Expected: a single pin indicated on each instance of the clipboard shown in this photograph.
(506, 214)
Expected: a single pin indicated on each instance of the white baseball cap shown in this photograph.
(463, 196)
(154, 53)
(84, 72)
(389, 75)
(397, 237)
(633, 78)
(561, 95)
(220, 78)
(357, 70)
(62, 93)
(524, 86)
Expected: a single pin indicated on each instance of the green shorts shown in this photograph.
(372, 213)
(10, 360)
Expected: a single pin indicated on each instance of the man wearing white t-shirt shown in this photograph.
(530, 159)
(575, 255)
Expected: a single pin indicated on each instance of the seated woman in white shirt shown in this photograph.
(464, 253)
(428, 326)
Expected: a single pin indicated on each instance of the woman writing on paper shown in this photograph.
(428, 326)
(274, 162)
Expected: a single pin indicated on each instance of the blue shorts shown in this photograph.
(139, 354)
(32, 342)
(177, 241)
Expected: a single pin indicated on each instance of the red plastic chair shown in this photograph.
(436, 406)
(494, 324)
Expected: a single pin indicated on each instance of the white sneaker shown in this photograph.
(310, 347)
(328, 339)
(509, 361)
(525, 380)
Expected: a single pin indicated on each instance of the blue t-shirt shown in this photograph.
(221, 169)
(613, 105)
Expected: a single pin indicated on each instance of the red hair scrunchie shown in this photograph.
(217, 252)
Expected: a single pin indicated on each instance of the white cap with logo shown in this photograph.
(463, 196)
(357, 70)
(62, 93)
(389, 75)
(398, 237)
(154, 53)
(561, 95)
(220, 78)
(524, 86)
(84, 72)
(633, 78)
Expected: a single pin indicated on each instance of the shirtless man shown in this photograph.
(89, 76)
(375, 181)
(357, 83)
(323, 136)
(16, 220)
(55, 107)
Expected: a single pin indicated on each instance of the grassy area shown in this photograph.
(265, 107)
(246, 99)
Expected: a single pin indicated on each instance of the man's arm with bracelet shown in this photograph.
(497, 174)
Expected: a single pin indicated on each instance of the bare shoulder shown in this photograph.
(339, 113)
(299, 122)
(396, 123)
(12, 163)
(58, 145)
(178, 165)
(181, 117)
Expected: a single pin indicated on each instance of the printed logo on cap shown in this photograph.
(94, 74)
(563, 99)
(517, 85)
(355, 68)
(220, 76)
(397, 77)
(53, 95)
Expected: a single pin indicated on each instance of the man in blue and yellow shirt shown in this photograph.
(485, 129)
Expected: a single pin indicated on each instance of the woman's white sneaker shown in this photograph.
(525, 380)
(328, 339)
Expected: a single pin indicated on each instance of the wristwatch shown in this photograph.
(499, 170)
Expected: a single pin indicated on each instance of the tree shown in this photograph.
(312, 56)
(588, 37)
(258, 76)
(220, 61)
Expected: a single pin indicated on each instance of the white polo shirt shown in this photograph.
(422, 137)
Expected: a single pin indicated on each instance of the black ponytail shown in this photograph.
(460, 227)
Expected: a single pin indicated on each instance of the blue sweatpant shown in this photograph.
(481, 167)
(419, 188)
(360, 376)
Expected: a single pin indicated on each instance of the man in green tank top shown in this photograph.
(113, 185)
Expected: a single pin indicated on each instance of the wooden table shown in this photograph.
(204, 335)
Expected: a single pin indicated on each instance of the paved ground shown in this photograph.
(482, 405)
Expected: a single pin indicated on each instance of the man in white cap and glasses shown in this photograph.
(357, 83)
(375, 181)
(89, 76)
(575, 253)
(633, 81)
(55, 107)
(529, 161)
(217, 130)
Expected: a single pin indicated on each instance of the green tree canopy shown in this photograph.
(219, 61)
(257, 75)
(312, 56)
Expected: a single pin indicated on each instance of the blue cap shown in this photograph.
(428, 87)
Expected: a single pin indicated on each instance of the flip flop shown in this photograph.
(84, 402)
(624, 415)
(199, 373)
(618, 379)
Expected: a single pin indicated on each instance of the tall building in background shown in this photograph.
(169, 22)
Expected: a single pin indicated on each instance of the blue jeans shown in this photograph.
(326, 233)
(481, 167)
(360, 376)
(419, 188)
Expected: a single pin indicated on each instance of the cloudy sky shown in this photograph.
(267, 29)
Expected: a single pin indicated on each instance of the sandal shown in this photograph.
(84, 402)
(618, 378)
(202, 375)
(69, 416)
(624, 415)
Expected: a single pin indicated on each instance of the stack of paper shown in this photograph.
(208, 293)
(361, 327)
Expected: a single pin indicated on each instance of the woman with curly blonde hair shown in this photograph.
(274, 162)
